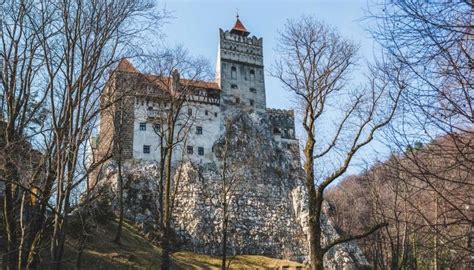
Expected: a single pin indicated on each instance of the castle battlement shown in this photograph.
(228, 36)
(283, 123)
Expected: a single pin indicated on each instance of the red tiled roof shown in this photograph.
(163, 81)
(239, 28)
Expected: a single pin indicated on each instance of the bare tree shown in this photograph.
(434, 41)
(232, 173)
(315, 64)
(54, 60)
(172, 122)
(426, 228)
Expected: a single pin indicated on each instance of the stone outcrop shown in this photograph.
(267, 209)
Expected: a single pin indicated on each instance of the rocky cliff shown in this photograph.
(263, 191)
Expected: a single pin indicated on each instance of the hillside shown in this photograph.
(137, 253)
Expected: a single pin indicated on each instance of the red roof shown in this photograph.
(239, 28)
(163, 81)
(125, 65)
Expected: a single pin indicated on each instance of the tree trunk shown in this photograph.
(10, 228)
(120, 183)
(165, 257)
(315, 204)
(224, 242)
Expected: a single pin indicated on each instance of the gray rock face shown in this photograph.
(266, 201)
(261, 217)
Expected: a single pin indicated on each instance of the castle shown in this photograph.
(268, 210)
(239, 86)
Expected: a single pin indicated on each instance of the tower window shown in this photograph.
(201, 151)
(253, 90)
(252, 102)
(252, 75)
(198, 130)
(146, 149)
(206, 112)
(233, 72)
(189, 150)
(190, 112)
(156, 127)
(234, 86)
(142, 126)
(215, 114)
(237, 100)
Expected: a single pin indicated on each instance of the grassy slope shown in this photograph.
(137, 253)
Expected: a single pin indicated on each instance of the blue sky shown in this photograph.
(196, 26)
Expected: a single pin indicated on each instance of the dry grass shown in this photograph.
(135, 252)
(190, 260)
(101, 252)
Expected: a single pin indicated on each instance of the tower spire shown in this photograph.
(239, 27)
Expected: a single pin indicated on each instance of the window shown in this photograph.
(142, 126)
(189, 150)
(234, 86)
(206, 112)
(252, 102)
(201, 151)
(215, 114)
(156, 127)
(190, 111)
(146, 149)
(253, 90)
(252, 75)
(199, 130)
(237, 100)
(233, 72)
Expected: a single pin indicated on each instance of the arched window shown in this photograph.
(252, 75)
(233, 72)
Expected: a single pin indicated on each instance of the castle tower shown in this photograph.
(239, 70)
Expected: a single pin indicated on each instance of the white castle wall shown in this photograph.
(210, 123)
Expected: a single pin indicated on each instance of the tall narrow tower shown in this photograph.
(240, 70)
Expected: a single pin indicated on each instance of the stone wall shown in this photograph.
(240, 72)
(117, 116)
(283, 123)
